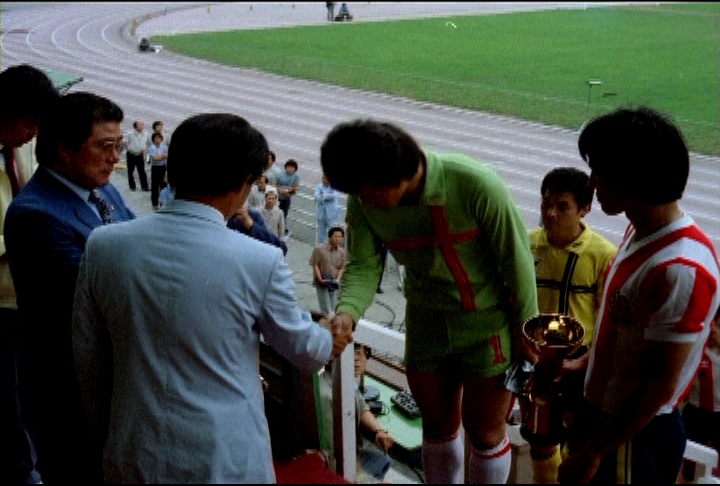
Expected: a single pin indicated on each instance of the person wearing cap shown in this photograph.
(273, 216)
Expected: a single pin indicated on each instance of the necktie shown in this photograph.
(11, 169)
(102, 206)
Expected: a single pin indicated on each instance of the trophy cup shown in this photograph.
(555, 336)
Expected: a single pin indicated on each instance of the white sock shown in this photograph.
(443, 461)
(490, 466)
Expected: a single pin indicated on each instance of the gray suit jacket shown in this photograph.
(176, 322)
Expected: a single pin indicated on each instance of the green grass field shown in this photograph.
(532, 65)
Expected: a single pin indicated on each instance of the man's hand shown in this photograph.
(244, 216)
(342, 332)
(523, 348)
(578, 468)
(383, 440)
(573, 367)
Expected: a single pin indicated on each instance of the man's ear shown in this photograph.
(586, 209)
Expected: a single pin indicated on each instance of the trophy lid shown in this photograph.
(554, 335)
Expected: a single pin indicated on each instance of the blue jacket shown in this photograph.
(46, 228)
(327, 206)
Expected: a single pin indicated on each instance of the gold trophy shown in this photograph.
(555, 336)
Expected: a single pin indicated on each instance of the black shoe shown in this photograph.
(132, 189)
(146, 189)
(380, 290)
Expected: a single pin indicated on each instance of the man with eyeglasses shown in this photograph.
(46, 228)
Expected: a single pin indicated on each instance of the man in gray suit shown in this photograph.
(46, 227)
(168, 361)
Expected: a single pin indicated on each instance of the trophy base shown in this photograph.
(543, 423)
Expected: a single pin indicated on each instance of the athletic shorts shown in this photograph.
(653, 456)
(464, 343)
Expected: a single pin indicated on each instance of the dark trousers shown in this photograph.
(657, 450)
(17, 463)
(136, 162)
(157, 181)
(284, 205)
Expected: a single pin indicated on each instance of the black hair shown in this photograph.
(28, 91)
(237, 151)
(156, 123)
(292, 163)
(639, 150)
(368, 349)
(334, 229)
(157, 134)
(70, 122)
(368, 152)
(569, 179)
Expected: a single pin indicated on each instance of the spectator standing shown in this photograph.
(287, 184)
(256, 198)
(470, 283)
(570, 265)
(174, 392)
(328, 264)
(701, 414)
(330, 11)
(272, 171)
(46, 228)
(157, 153)
(28, 95)
(273, 217)
(157, 127)
(661, 293)
(137, 141)
(327, 208)
(250, 222)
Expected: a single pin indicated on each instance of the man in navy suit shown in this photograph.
(46, 228)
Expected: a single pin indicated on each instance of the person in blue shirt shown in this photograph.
(327, 208)
(287, 183)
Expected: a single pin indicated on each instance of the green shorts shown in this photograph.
(467, 343)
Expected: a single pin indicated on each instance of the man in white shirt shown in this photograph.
(137, 143)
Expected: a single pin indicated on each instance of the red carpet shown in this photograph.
(307, 469)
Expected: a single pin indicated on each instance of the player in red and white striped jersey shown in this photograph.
(661, 294)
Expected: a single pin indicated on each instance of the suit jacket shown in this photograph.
(186, 404)
(46, 227)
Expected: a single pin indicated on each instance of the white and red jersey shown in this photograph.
(705, 391)
(661, 288)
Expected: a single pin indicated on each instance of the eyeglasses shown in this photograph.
(109, 146)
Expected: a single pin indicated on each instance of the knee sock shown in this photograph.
(443, 460)
(490, 466)
(545, 468)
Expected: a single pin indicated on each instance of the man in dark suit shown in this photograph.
(46, 228)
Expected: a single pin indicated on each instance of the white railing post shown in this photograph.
(344, 440)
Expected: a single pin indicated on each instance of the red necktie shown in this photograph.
(11, 169)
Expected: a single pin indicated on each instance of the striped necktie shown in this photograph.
(102, 206)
